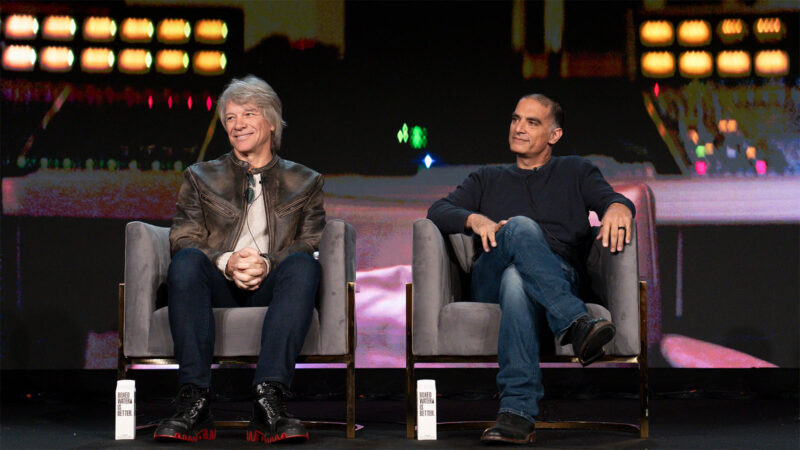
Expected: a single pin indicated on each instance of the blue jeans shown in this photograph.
(535, 288)
(195, 286)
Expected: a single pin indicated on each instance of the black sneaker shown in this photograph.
(510, 429)
(192, 420)
(271, 422)
(588, 336)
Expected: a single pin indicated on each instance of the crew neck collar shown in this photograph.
(518, 170)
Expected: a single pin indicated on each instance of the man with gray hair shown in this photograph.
(531, 218)
(244, 233)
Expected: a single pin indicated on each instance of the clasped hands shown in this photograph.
(247, 269)
(615, 231)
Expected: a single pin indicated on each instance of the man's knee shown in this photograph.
(526, 225)
(301, 266)
(187, 264)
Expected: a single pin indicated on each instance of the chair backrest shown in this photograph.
(147, 259)
(642, 197)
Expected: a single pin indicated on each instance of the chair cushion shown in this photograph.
(241, 335)
(464, 250)
(469, 328)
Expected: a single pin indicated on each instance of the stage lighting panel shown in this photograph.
(135, 61)
(137, 30)
(769, 29)
(656, 33)
(658, 64)
(731, 31)
(21, 27)
(99, 29)
(56, 59)
(694, 33)
(772, 63)
(19, 58)
(750, 152)
(59, 28)
(210, 31)
(172, 62)
(734, 63)
(209, 62)
(174, 31)
(97, 60)
(695, 64)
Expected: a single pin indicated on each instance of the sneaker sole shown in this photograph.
(529, 439)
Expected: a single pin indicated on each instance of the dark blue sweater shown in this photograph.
(557, 195)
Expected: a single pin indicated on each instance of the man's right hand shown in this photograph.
(247, 269)
(486, 228)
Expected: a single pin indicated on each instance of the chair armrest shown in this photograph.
(433, 285)
(615, 277)
(337, 256)
(147, 260)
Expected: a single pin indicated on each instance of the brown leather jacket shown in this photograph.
(211, 207)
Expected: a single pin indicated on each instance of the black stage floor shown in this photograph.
(676, 424)
(731, 417)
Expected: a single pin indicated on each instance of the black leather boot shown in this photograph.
(192, 420)
(510, 429)
(588, 335)
(271, 422)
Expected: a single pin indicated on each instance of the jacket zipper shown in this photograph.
(271, 242)
(233, 238)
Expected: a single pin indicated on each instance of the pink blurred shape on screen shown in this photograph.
(686, 352)
(700, 167)
(381, 309)
(761, 167)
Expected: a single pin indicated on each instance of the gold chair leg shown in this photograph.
(121, 363)
(351, 400)
(411, 389)
(350, 427)
(644, 388)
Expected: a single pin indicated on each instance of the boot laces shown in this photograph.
(273, 400)
(188, 398)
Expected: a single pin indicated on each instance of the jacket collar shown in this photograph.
(245, 165)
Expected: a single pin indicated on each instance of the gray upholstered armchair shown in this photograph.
(144, 332)
(441, 328)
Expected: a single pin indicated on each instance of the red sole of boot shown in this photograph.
(205, 434)
(257, 436)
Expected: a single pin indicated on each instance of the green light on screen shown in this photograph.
(700, 151)
(419, 137)
(402, 135)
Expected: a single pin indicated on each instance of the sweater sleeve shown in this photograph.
(450, 213)
(597, 194)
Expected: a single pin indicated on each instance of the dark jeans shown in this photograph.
(535, 289)
(195, 286)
